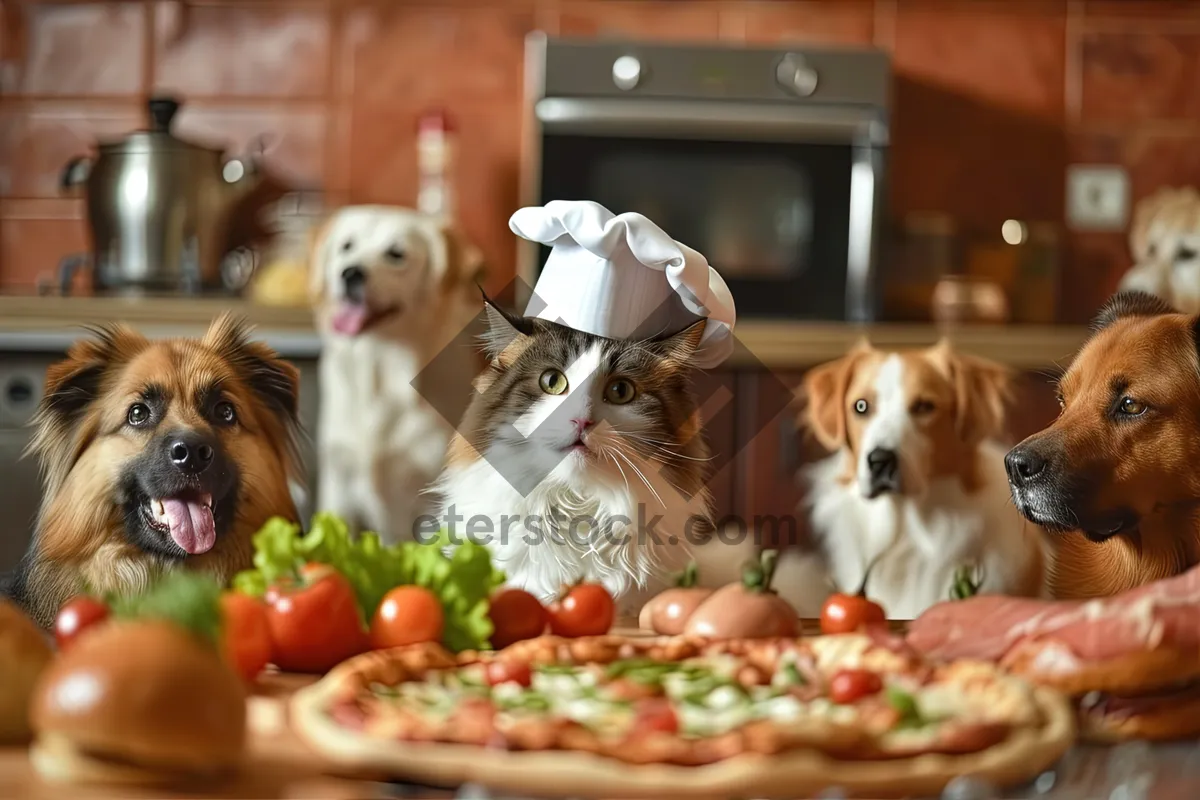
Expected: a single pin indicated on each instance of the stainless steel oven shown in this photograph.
(771, 162)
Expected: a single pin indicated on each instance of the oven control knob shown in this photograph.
(796, 76)
(626, 72)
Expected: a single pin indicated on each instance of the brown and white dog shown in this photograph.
(155, 455)
(1116, 472)
(393, 290)
(915, 491)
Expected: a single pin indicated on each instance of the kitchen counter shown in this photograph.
(46, 324)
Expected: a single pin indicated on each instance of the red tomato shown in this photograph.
(848, 685)
(846, 613)
(77, 615)
(314, 621)
(516, 615)
(245, 634)
(656, 715)
(587, 609)
(407, 615)
(501, 671)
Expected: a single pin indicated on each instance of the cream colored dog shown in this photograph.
(392, 288)
(1164, 239)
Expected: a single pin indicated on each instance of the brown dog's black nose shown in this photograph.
(1023, 465)
(355, 281)
(191, 454)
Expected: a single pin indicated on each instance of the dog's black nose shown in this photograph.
(1023, 465)
(191, 454)
(354, 279)
(882, 464)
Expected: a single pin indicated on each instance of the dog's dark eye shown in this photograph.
(1185, 254)
(922, 407)
(395, 253)
(1131, 407)
(225, 413)
(139, 414)
(861, 406)
(346, 245)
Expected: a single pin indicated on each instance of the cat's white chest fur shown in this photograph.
(628, 537)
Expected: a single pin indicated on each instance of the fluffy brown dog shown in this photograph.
(157, 454)
(1116, 472)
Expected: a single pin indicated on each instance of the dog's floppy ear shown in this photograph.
(982, 389)
(71, 386)
(824, 390)
(319, 244)
(457, 263)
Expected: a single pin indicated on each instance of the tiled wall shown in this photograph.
(993, 98)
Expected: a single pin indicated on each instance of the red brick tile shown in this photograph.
(401, 55)
(849, 22)
(77, 49)
(294, 135)
(38, 138)
(655, 20)
(1154, 10)
(227, 50)
(30, 249)
(1139, 75)
(1008, 55)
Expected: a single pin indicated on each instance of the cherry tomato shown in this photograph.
(314, 621)
(846, 613)
(848, 685)
(587, 609)
(656, 715)
(501, 671)
(516, 615)
(77, 615)
(245, 634)
(407, 615)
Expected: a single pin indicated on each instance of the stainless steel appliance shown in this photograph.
(771, 162)
(158, 208)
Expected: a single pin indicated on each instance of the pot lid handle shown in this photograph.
(162, 111)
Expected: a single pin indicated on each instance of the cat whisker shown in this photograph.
(640, 474)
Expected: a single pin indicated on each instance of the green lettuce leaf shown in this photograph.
(462, 580)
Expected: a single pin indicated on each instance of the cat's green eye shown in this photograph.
(553, 381)
(619, 392)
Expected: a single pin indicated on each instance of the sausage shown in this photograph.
(668, 612)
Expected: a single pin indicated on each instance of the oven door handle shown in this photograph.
(683, 119)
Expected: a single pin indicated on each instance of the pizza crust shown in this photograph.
(1023, 754)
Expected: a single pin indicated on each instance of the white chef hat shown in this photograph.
(622, 277)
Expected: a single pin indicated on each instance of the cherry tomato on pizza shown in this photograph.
(509, 671)
(849, 685)
(585, 609)
(314, 620)
(407, 615)
(245, 634)
(77, 615)
(847, 613)
(516, 615)
(655, 715)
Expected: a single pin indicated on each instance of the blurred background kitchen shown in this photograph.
(913, 164)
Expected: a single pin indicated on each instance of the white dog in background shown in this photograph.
(393, 290)
(1164, 239)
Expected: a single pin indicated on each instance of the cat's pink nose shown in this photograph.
(581, 424)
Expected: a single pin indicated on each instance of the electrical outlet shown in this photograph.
(1097, 197)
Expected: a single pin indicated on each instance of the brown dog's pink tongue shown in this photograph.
(350, 318)
(192, 525)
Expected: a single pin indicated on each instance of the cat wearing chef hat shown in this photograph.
(581, 455)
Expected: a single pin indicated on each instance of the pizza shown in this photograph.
(684, 716)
